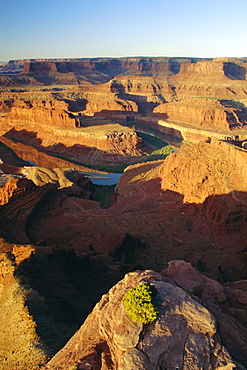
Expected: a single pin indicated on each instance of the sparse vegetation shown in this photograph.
(165, 151)
(72, 367)
(138, 303)
(187, 142)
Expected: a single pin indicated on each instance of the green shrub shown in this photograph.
(165, 150)
(72, 367)
(138, 303)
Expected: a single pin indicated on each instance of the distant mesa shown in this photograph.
(99, 70)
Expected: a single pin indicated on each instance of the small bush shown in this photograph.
(165, 150)
(72, 367)
(138, 303)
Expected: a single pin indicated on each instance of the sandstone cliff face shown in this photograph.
(205, 114)
(212, 175)
(209, 95)
(97, 104)
(20, 194)
(191, 206)
(33, 113)
(184, 335)
(50, 123)
(13, 151)
(217, 70)
(203, 170)
(98, 70)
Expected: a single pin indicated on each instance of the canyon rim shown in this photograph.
(175, 132)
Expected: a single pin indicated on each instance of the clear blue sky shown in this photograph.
(112, 28)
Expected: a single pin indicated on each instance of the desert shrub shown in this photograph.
(138, 303)
(165, 150)
(73, 367)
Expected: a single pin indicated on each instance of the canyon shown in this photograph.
(176, 128)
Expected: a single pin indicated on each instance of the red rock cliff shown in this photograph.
(205, 169)
(214, 70)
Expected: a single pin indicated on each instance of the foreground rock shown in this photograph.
(45, 296)
(185, 334)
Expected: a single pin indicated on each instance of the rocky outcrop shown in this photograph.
(215, 70)
(25, 195)
(178, 132)
(191, 206)
(39, 187)
(14, 152)
(204, 113)
(203, 170)
(214, 178)
(112, 139)
(230, 313)
(32, 114)
(50, 123)
(96, 105)
(184, 335)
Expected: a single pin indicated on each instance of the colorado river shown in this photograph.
(108, 179)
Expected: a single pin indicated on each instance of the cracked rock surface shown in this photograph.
(184, 336)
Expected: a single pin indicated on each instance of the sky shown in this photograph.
(120, 28)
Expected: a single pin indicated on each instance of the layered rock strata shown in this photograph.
(50, 123)
(99, 70)
(216, 70)
(77, 71)
(191, 206)
(204, 114)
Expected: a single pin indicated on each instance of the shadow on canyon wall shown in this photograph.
(60, 150)
(148, 121)
(63, 290)
(65, 286)
(114, 159)
(211, 235)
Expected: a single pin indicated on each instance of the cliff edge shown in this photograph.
(188, 333)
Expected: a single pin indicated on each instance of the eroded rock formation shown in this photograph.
(75, 71)
(203, 170)
(191, 206)
(215, 70)
(184, 335)
(204, 113)
(51, 126)
(208, 94)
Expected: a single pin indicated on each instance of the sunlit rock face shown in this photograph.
(192, 205)
(203, 170)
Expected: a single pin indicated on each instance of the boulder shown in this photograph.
(185, 334)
